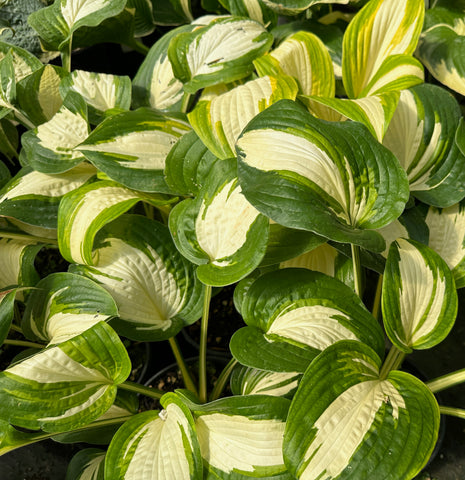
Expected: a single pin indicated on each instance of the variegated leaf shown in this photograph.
(7, 309)
(57, 23)
(84, 211)
(38, 94)
(219, 52)
(32, 197)
(101, 91)
(375, 112)
(65, 386)
(447, 237)
(347, 421)
(218, 121)
(252, 381)
(422, 136)
(303, 56)
(87, 464)
(155, 84)
(156, 445)
(12, 438)
(253, 9)
(153, 285)
(131, 147)
(241, 437)
(173, 12)
(378, 45)
(50, 148)
(24, 62)
(310, 174)
(293, 314)
(441, 45)
(220, 230)
(293, 7)
(63, 305)
(419, 299)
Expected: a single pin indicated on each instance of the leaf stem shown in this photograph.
(15, 327)
(394, 360)
(139, 47)
(203, 345)
(142, 389)
(25, 236)
(446, 381)
(355, 249)
(377, 300)
(186, 375)
(222, 379)
(66, 56)
(455, 412)
(185, 102)
(23, 343)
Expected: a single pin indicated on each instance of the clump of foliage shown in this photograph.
(292, 149)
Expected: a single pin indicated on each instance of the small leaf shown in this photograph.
(254, 9)
(419, 299)
(86, 464)
(293, 7)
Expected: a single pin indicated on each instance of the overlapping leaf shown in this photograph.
(220, 230)
(294, 314)
(419, 298)
(160, 445)
(131, 147)
(200, 59)
(65, 386)
(293, 7)
(378, 47)
(218, 121)
(153, 285)
(422, 135)
(346, 421)
(254, 9)
(333, 179)
(87, 464)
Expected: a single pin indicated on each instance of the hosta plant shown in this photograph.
(310, 154)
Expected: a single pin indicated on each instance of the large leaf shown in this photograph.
(57, 23)
(419, 298)
(154, 286)
(219, 52)
(84, 211)
(33, 197)
(303, 56)
(131, 147)
(303, 312)
(378, 45)
(218, 121)
(65, 386)
(63, 305)
(220, 230)
(156, 445)
(331, 178)
(441, 46)
(345, 421)
(422, 135)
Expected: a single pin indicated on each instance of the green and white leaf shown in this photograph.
(153, 285)
(345, 420)
(159, 445)
(422, 135)
(294, 7)
(301, 312)
(290, 162)
(65, 386)
(241, 437)
(172, 12)
(87, 464)
(252, 381)
(33, 197)
(441, 45)
(188, 164)
(63, 305)
(51, 147)
(131, 147)
(378, 47)
(155, 84)
(39, 95)
(12, 438)
(302, 56)
(419, 299)
(57, 23)
(84, 211)
(220, 230)
(253, 9)
(446, 237)
(221, 51)
(375, 112)
(101, 91)
(24, 62)
(219, 121)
